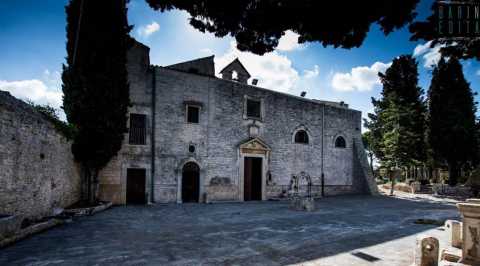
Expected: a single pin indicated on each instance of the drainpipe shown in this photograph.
(323, 143)
(152, 137)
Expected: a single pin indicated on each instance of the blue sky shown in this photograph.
(32, 51)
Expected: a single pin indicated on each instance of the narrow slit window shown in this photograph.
(193, 114)
(254, 109)
(138, 129)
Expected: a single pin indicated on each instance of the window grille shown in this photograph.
(138, 129)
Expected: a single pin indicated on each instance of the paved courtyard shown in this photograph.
(348, 230)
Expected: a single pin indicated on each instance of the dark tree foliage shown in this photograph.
(461, 48)
(452, 128)
(95, 86)
(258, 25)
(51, 114)
(375, 142)
(398, 125)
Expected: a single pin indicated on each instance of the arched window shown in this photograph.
(340, 142)
(301, 137)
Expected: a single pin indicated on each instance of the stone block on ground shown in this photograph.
(474, 201)
(449, 263)
(454, 233)
(451, 254)
(426, 251)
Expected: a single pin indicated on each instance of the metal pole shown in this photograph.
(322, 153)
(152, 137)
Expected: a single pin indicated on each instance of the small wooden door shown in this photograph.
(136, 186)
(190, 182)
(252, 179)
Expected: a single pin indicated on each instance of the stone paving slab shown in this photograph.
(350, 230)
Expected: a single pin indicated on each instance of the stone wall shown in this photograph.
(37, 170)
(223, 127)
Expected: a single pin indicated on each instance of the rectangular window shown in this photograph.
(254, 109)
(193, 113)
(138, 129)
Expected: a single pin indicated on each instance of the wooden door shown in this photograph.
(136, 186)
(252, 179)
(190, 183)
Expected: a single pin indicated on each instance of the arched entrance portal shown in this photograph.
(190, 182)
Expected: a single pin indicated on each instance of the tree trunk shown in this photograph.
(392, 180)
(92, 188)
(87, 183)
(90, 185)
(371, 164)
(452, 173)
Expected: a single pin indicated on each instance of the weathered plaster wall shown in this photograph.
(37, 170)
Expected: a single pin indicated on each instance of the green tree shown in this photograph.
(95, 87)
(398, 124)
(375, 129)
(367, 139)
(258, 25)
(51, 114)
(451, 118)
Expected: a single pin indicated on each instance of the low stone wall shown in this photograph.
(400, 187)
(443, 189)
(37, 170)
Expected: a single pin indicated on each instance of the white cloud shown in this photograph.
(421, 49)
(147, 30)
(430, 55)
(289, 42)
(478, 72)
(273, 70)
(44, 91)
(309, 74)
(361, 78)
(33, 90)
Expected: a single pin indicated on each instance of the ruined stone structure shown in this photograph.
(37, 170)
(195, 137)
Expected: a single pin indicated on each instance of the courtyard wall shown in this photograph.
(37, 169)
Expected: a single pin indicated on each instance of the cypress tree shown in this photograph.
(452, 128)
(399, 120)
(95, 86)
(367, 139)
(375, 141)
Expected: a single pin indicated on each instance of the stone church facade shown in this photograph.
(194, 137)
